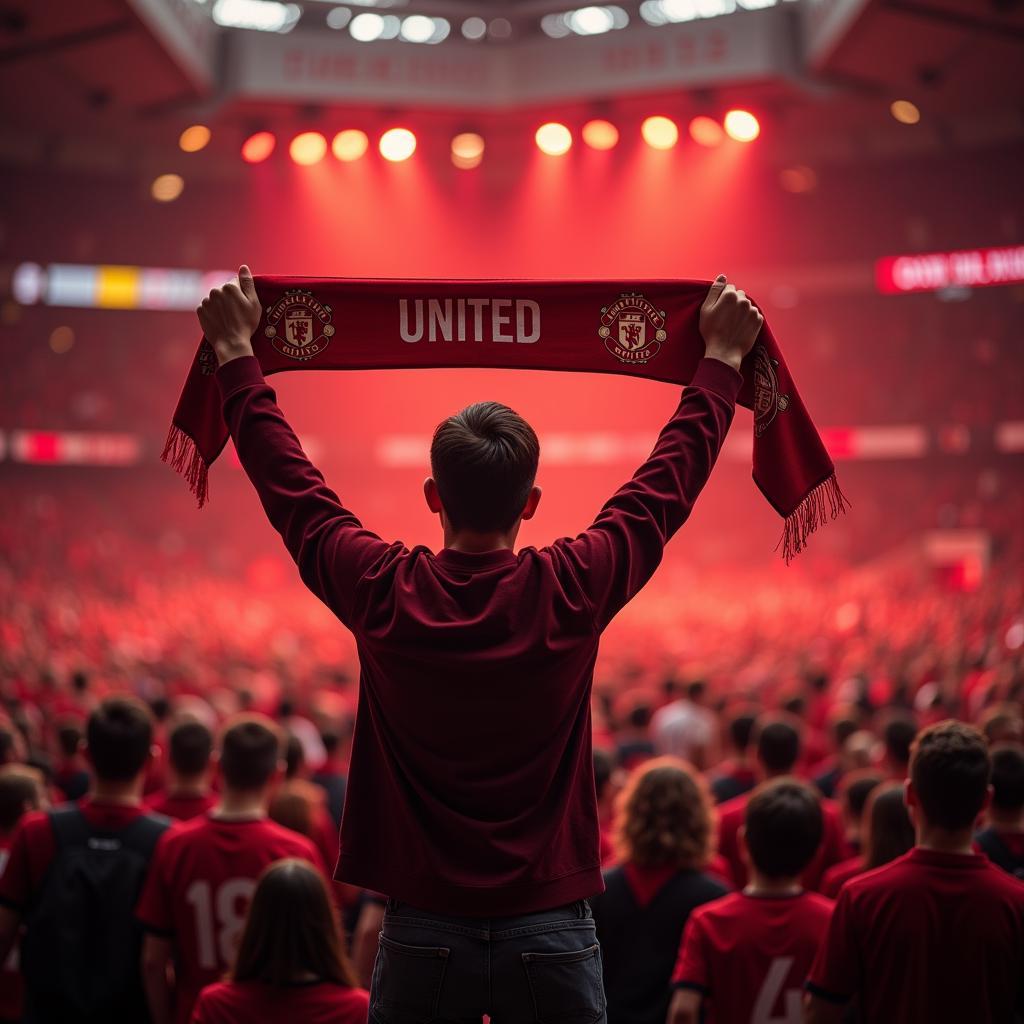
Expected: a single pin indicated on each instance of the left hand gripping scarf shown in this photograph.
(638, 328)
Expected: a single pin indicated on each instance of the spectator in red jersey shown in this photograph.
(936, 936)
(204, 872)
(888, 834)
(1002, 841)
(488, 790)
(633, 742)
(74, 875)
(744, 958)
(71, 775)
(188, 791)
(22, 790)
(664, 833)
(291, 963)
(854, 791)
(737, 775)
(687, 728)
(777, 748)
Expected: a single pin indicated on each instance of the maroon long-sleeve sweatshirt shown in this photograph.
(471, 789)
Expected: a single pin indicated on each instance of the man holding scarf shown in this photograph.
(471, 798)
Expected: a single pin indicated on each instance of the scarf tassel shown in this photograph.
(823, 503)
(182, 455)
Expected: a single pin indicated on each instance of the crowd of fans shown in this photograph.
(778, 772)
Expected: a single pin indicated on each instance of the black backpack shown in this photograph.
(80, 953)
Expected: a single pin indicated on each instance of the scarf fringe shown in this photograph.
(182, 455)
(822, 504)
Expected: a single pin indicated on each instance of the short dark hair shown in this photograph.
(778, 745)
(1008, 777)
(855, 789)
(249, 752)
(19, 785)
(294, 756)
(889, 833)
(484, 461)
(69, 738)
(741, 729)
(191, 744)
(697, 689)
(784, 827)
(118, 736)
(898, 734)
(950, 769)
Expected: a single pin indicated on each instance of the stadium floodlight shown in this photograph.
(259, 15)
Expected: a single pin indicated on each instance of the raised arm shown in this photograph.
(327, 542)
(618, 554)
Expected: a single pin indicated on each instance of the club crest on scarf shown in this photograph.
(768, 403)
(632, 329)
(298, 325)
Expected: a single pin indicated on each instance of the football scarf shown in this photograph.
(638, 328)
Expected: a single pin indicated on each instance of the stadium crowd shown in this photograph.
(749, 766)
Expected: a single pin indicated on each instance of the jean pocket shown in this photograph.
(407, 982)
(566, 987)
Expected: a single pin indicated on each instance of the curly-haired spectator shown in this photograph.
(664, 835)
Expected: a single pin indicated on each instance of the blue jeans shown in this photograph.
(542, 968)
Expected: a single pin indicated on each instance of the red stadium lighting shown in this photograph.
(397, 144)
(308, 148)
(660, 132)
(600, 134)
(258, 147)
(706, 131)
(553, 139)
(741, 125)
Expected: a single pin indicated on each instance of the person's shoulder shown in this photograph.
(220, 993)
(355, 1002)
(294, 844)
(726, 907)
(35, 823)
(816, 904)
(882, 880)
(733, 810)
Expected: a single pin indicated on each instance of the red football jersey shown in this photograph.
(839, 874)
(932, 937)
(12, 993)
(750, 955)
(731, 815)
(181, 808)
(252, 1002)
(198, 890)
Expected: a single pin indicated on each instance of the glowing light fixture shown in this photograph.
(194, 138)
(499, 28)
(905, 112)
(350, 145)
(706, 131)
(397, 144)
(467, 150)
(167, 187)
(258, 147)
(417, 28)
(553, 139)
(660, 132)
(260, 15)
(366, 27)
(338, 17)
(741, 125)
(308, 148)
(474, 28)
(600, 134)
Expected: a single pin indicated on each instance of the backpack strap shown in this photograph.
(70, 826)
(71, 829)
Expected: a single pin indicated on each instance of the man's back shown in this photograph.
(472, 751)
(749, 955)
(199, 888)
(931, 937)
